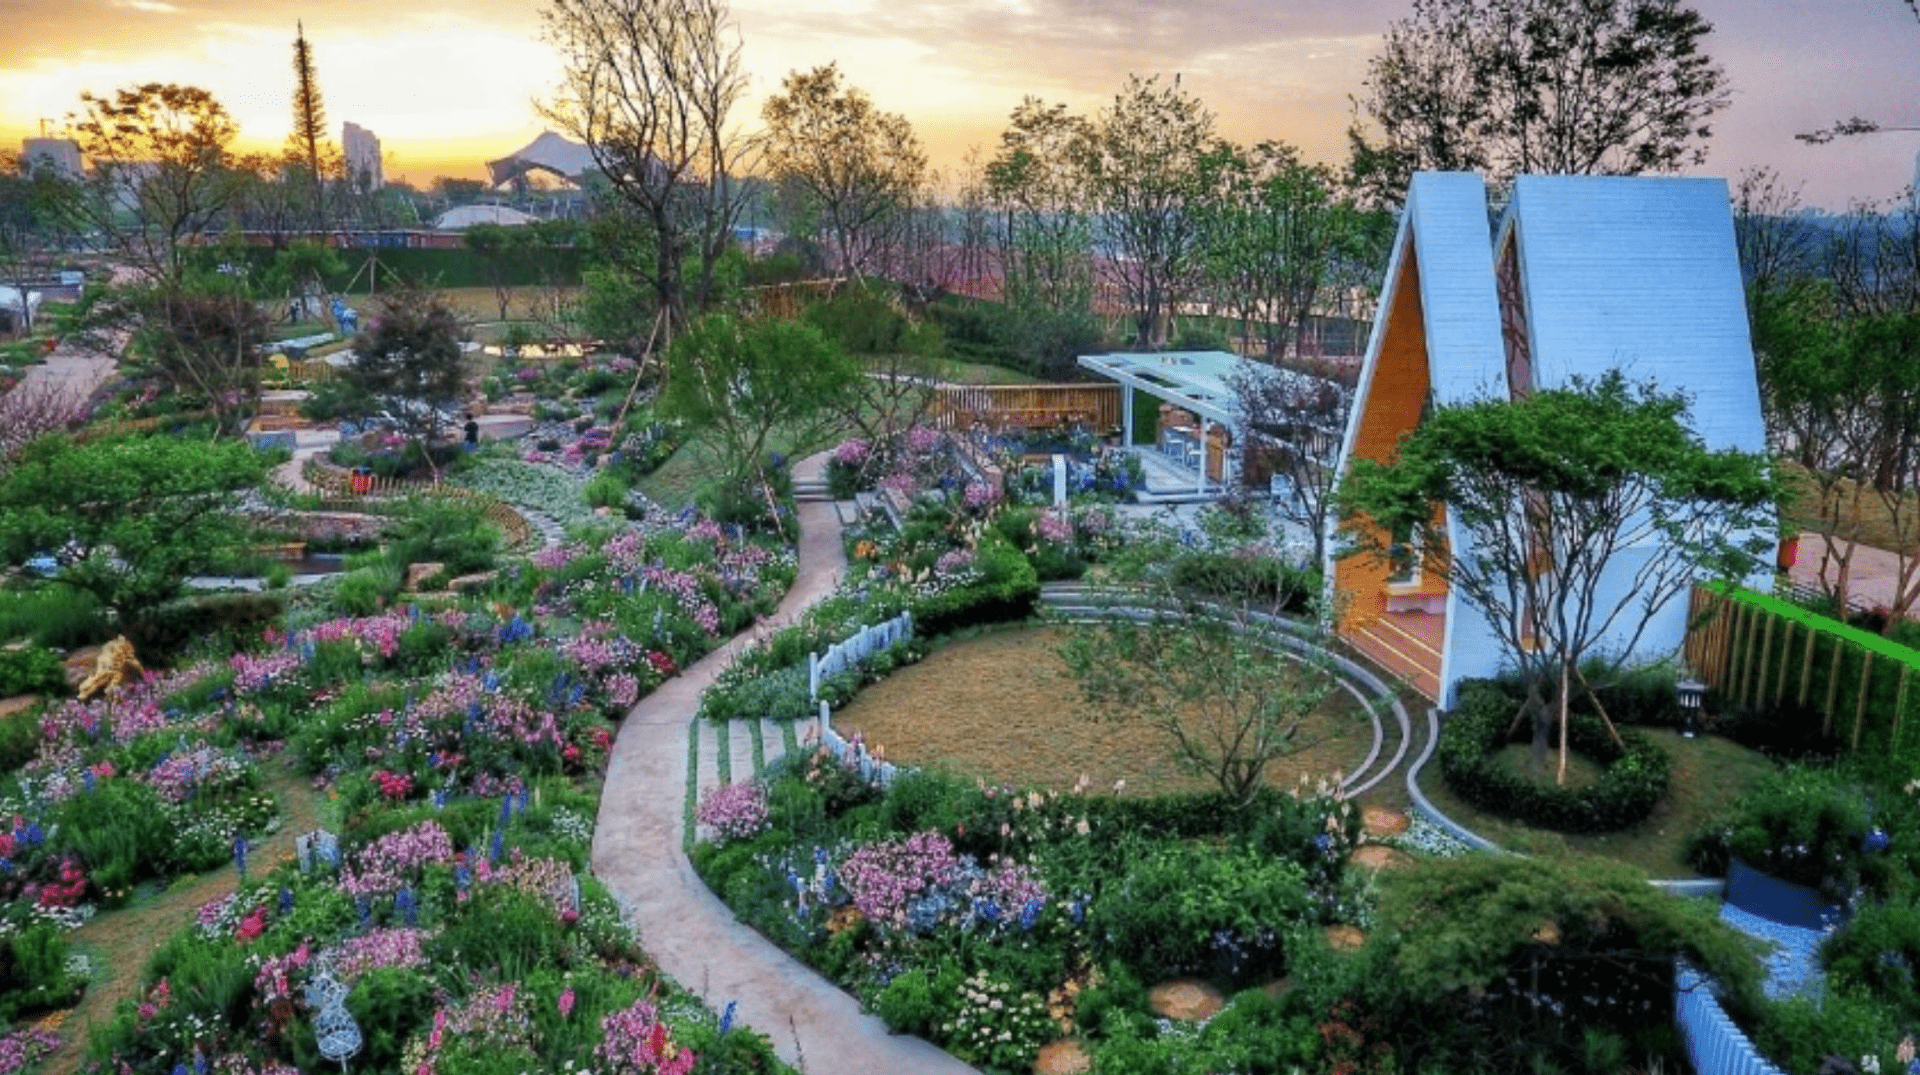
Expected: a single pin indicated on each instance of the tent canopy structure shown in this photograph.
(550, 153)
(461, 217)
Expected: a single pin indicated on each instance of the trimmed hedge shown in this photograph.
(1635, 780)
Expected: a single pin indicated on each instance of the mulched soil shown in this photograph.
(1003, 708)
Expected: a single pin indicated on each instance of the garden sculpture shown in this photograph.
(111, 670)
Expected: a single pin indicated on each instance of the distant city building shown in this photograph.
(62, 153)
(363, 155)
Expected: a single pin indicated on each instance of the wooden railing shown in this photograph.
(1024, 406)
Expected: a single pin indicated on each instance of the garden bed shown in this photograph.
(1708, 774)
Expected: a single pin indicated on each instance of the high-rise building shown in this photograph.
(363, 156)
(61, 153)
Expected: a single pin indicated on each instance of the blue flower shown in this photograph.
(1031, 912)
(1876, 840)
(726, 1017)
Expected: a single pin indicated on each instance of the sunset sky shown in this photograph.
(447, 85)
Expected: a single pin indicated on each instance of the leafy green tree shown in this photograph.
(1583, 511)
(1510, 87)
(39, 211)
(127, 520)
(1037, 183)
(205, 337)
(1228, 691)
(1143, 170)
(500, 249)
(740, 381)
(408, 360)
(1271, 238)
(859, 167)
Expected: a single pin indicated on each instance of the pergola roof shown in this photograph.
(1200, 381)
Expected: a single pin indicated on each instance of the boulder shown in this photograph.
(419, 573)
(1187, 1000)
(1063, 1057)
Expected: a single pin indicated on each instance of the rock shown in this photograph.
(1188, 1000)
(419, 573)
(1345, 938)
(1063, 1057)
(1380, 857)
(472, 583)
(1380, 821)
(17, 704)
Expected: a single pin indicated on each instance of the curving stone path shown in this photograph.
(637, 851)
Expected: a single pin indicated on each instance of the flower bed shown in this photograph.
(451, 917)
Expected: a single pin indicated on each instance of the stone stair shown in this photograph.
(811, 491)
(738, 751)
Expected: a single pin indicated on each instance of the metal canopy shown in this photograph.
(1200, 381)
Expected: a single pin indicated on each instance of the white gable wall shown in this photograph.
(1641, 274)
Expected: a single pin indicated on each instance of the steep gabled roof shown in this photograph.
(1640, 274)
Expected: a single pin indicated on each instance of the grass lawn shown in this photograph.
(955, 371)
(1002, 707)
(1708, 774)
(1876, 525)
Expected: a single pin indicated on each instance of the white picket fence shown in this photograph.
(1714, 1044)
(855, 754)
(846, 654)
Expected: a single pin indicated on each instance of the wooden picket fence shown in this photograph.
(1760, 652)
(1027, 406)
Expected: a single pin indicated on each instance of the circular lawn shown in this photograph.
(1003, 707)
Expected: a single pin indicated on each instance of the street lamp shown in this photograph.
(1692, 692)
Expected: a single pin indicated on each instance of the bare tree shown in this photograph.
(38, 208)
(649, 85)
(1539, 86)
(1775, 239)
(860, 168)
(1293, 421)
(161, 171)
(205, 339)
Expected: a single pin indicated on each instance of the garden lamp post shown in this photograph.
(1691, 692)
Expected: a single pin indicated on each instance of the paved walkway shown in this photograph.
(73, 372)
(684, 927)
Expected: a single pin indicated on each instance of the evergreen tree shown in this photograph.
(309, 116)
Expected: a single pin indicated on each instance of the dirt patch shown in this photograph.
(1381, 821)
(1063, 1057)
(1004, 708)
(1378, 857)
(1345, 938)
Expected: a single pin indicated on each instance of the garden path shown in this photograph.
(638, 851)
(73, 370)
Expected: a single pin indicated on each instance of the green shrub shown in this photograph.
(780, 695)
(607, 490)
(1634, 782)
(919, 1001)
(120, 831)
(55, 616)
(443, 530)
(1877, 951)
(33, 972)
(390, 1004)
(1290, 589)
(31, 670)
(1008, 592)
(214, 622)
(20, 738)
(1187, 909)
(1799, 1033)
(366, 590)
(1803, 825)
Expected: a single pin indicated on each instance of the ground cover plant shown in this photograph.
(458, 745)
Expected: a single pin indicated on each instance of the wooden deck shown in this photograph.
(1406, 644)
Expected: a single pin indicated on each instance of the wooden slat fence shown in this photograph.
(1027, 406)
(852, 651)
(1762, 653)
